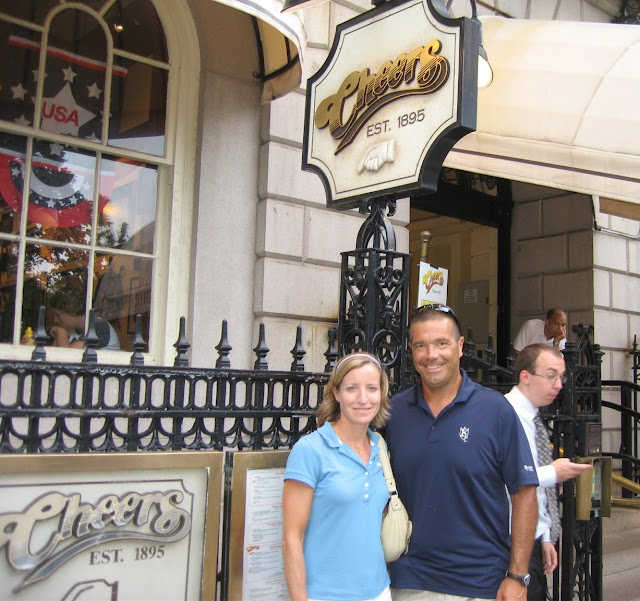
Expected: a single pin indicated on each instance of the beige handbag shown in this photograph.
(396, 525)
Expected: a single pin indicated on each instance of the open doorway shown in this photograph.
(469, 219)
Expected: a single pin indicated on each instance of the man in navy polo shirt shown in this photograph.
(455, 446)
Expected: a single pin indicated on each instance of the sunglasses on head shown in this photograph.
(435, 307)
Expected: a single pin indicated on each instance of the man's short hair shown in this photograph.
(528, 357)
(434, 311)
(553, 311)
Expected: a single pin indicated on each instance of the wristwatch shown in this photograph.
(523, 579)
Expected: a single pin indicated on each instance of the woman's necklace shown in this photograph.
(365, 448)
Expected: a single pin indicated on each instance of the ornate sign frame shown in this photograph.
(112, 527)
(397, 91)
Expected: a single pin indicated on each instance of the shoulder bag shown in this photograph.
(396, 525)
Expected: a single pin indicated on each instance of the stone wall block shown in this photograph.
(569, 290)
(527, 220)
(634, 330)
(542, 255)
(283, 119)
(568, 213)
(609, 252)
(328, 233)
(523, 192)
(282, 177)
(282, 290)
(625, 292)
(611, 329)
(620, 367)
(602, 288)
(580, 250)
(634, 256)
(316, 24)
(528, 298)
(280, 229)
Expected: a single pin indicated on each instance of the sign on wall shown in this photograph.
(397, 91)
(112, 527)
(432, 287)
(256, 567)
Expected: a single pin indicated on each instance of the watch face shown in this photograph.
(526, 579)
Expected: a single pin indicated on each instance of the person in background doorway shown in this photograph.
(68, 306)
(552, 331)
(540, 371)
(335, 493)
(454, 446)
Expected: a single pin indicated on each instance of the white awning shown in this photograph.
(563, 110)
(282, 39)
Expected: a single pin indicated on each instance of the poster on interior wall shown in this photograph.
(432, 285)
(107, 527)
(256, 568)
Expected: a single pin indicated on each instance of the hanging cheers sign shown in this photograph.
(398, 89)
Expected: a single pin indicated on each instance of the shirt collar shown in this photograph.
(523, 404)
(329, 435)
(464, 392)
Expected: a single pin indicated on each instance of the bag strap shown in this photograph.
(386, 466)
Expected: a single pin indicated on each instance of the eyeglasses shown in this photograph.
(435, 307)
(551, 378)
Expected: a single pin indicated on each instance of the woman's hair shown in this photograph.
(329, 409)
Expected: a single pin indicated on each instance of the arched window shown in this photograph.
(83, 124)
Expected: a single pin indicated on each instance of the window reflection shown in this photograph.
(61, 193)
(48, 269)
(138, 107)
(73, 95)
(8, 276)
(136, 28)
(131, 203)
(12, 155)
(123, 285)
(28, 10)
(19, 57)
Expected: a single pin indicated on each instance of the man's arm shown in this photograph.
(524, 517)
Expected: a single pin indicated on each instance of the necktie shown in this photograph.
(543, 446)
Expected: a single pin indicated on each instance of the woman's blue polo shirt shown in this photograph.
(343, 554)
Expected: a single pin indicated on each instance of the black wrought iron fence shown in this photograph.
(48, 407)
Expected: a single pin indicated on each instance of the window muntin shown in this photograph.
(34, 11)
(89, 212)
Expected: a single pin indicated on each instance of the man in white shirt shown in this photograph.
(541, 374)
(552, 331)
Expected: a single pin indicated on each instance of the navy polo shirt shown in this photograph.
(451, 472)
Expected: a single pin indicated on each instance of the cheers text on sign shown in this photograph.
(77, 526)
(379, 89)
(433, 278)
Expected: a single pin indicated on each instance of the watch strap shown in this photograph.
(523, 579)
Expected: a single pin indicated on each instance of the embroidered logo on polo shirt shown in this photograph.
(464, 433)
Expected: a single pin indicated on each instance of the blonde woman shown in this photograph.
(334, 492)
